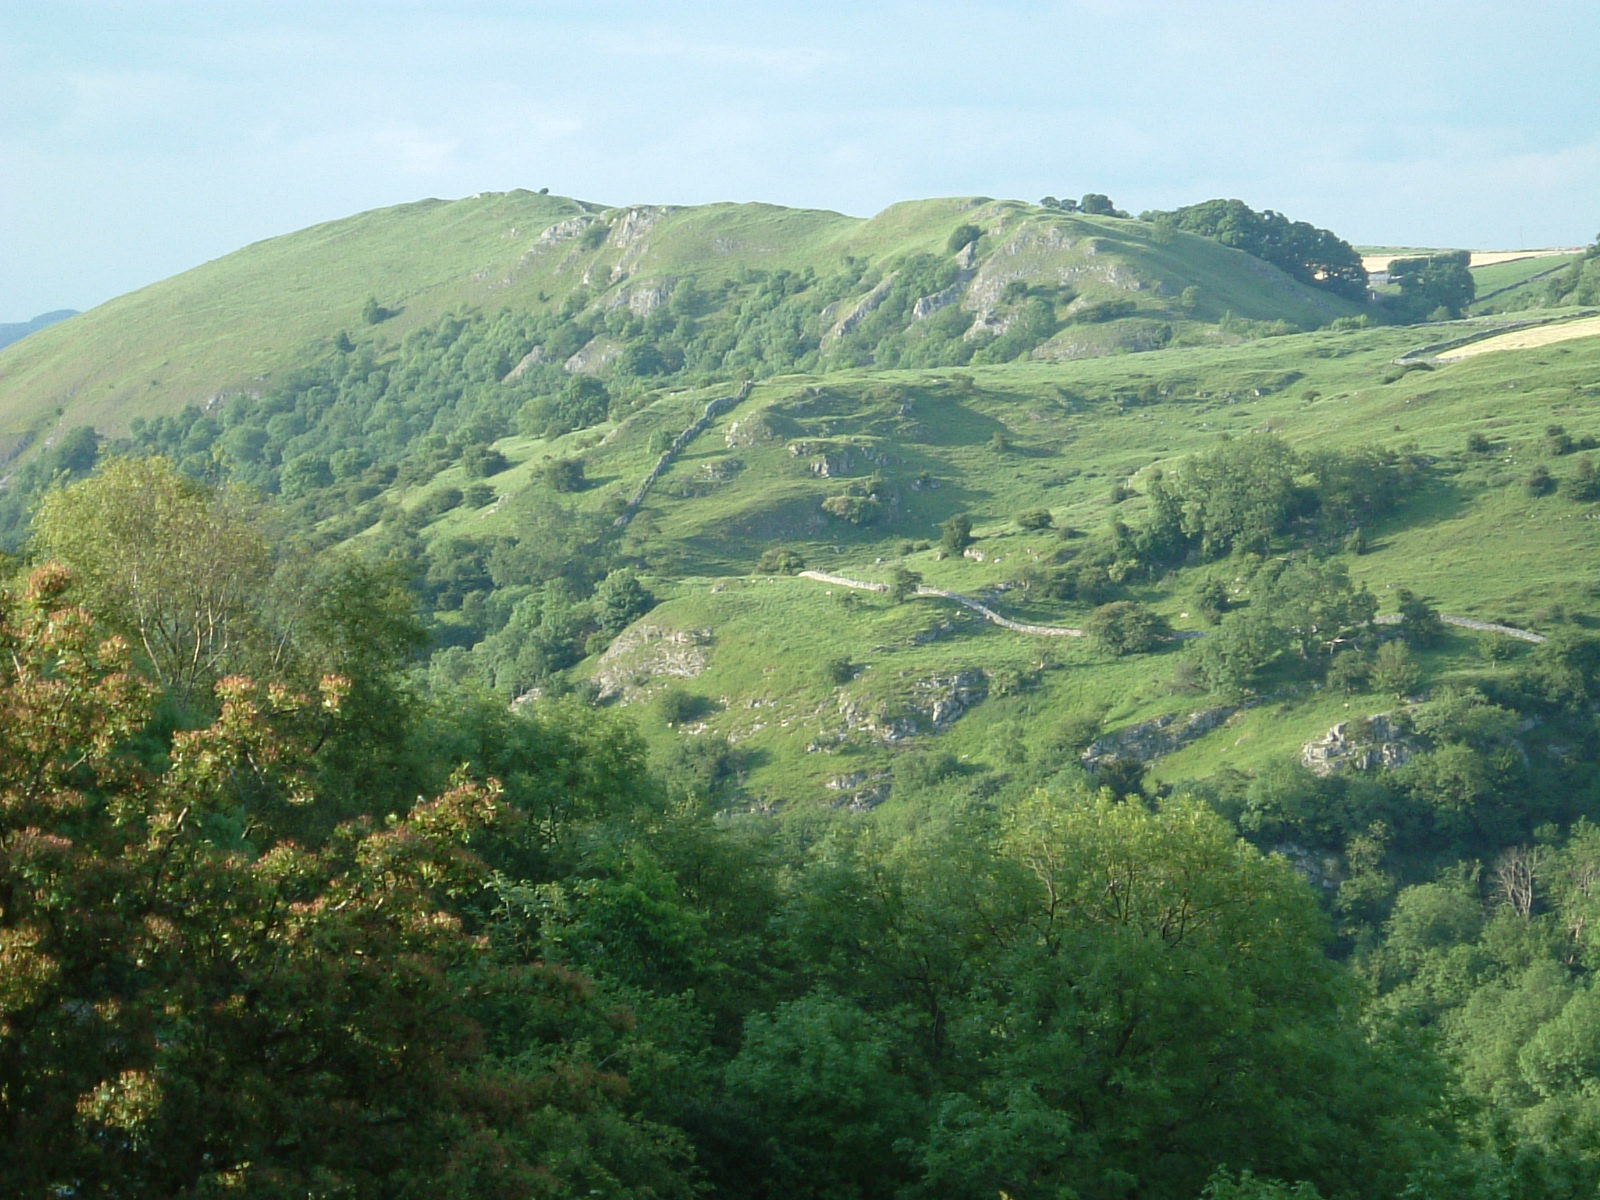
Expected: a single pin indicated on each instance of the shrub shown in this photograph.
(564, 475)
(956, 534)
(780, 560)
(1126, 627)
(961, 237)
(678, 707)
(1034, 518)
(1396, 670)
(838, 670)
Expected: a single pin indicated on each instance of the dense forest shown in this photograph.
(333, 862)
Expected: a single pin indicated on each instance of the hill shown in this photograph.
(1032, 281)
(821, 591)
(18, 330)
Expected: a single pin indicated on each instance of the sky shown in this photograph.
(139, 139)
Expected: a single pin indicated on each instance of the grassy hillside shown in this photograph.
(237, 324)
(753, 655)
(496, 424)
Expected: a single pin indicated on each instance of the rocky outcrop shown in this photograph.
(1360, 745)
(647, 652)
(563, 231)
(860, 790)
(934, 704)
(1149, 740)
(531, 359)
(864, 308)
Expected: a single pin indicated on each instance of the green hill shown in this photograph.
(531, 399)
(239, 323)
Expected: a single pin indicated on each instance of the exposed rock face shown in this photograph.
(594, 355)
(1359, 745)
(833, 464)
(935, 703)
(642, 298)
(531, 358)
(1151, 739)
(563, 231)
(647, 652)
(926, 306)
(861, 789)
(759, 428)
(869, 304)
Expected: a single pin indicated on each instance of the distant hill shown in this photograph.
(1024, 282)
(16, 331)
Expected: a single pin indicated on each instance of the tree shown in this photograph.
(781, 560)
(1395, 670)
(564, 475)
(1433, 282)
(1420, 623)
(173, 565)
(961, 237)
(619, 601)
(956, 533)
(903, 584)
(1161, 1005)
(193, 1008)
(1314, 256)
(374, 313)
(1126, 627)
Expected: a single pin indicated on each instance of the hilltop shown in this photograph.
(1061, 285)
(606, 439)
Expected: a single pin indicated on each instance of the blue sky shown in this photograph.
(140, 139)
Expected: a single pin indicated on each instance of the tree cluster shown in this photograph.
(1313, 256)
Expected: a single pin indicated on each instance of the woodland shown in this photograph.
(341, 857)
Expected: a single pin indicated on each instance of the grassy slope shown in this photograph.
(1473, 539)
(233, 323)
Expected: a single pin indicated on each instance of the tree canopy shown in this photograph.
(1313, 256)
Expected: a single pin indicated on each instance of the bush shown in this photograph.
(1034, 518)
(1126, 627)
(1539, 482)
(780, 560)
(1477, 443)
(838, 670)
(564, 475)
(858, 510)
(961, 237)
(956, 534)
(1396, 670)
(678, 707)
(1350, 671)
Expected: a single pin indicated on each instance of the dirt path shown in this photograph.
(988, 614)
(977, 606)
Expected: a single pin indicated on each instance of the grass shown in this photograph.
(990, 441)
(1473, 539)
(236, 324)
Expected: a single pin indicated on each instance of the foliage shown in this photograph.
(171, 564)
(1427, 284)
(955, 535)
(1313, 256)
(781, 560)
(1126, 627)
(194, 1008)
